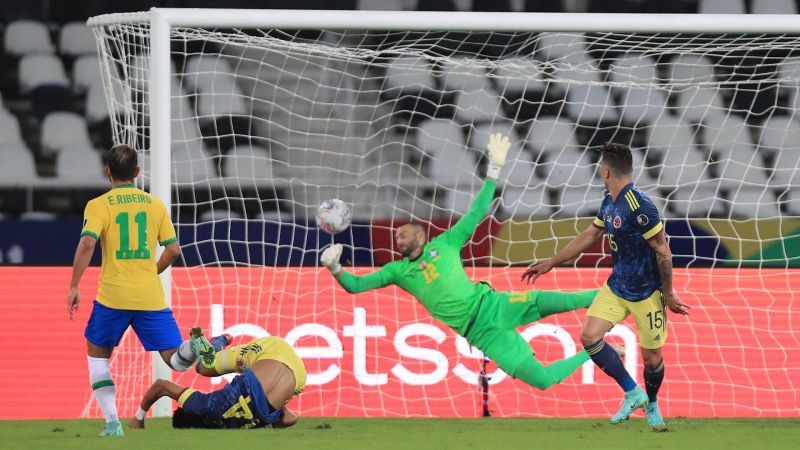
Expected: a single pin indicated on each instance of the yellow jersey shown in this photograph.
(128, 222)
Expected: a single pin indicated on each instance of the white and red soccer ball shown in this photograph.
(334, 216)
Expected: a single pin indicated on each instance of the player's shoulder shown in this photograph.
(637, 199)
(101, 201)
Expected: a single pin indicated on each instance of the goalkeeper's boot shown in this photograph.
(654, 418)
(220, 342)
(113, 429)
(634, 399)
(201, 347)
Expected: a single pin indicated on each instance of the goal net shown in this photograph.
(266, 122)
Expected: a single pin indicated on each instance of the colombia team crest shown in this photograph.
(617, 221)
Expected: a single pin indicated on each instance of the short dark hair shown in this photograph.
(122, 161)
(618, 158)
(184, 419)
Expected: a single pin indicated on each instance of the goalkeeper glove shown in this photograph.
(330, 258)
(498, 148)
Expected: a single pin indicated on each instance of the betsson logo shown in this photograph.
(359, 331)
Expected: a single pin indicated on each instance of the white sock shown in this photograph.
(104, 391)
(183, 358)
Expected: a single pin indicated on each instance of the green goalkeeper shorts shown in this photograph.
(494, 329)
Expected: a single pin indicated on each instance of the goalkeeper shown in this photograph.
(432, 271)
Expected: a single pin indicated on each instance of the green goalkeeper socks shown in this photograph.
(542, 377)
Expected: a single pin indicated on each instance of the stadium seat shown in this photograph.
(696, 200)
(529, 201)
(690, 69)
(39, 70)
(515, 76)
(786, 171)
(777, 133)
(750, 202)
(681, 166)
(191, 164)
(202, 72)
(440, 135)
(633, 68)
(478, 106)
(9, 128)
(62, 129)
(86, 73)
(738, 165)
(566, 47)
(409, 73)
(773, 7)
(669, 133)
(463, 75)
(567, 166)
(791, 201)
(591, 104)
(226, 99)
(582, 201)
(642, 106)
(17, 167)
(76, 39)
(139, 73)
(697, 104)
(80, 165)
(551, 135)
(96, 109)
(247, 165)
(721, 7)
(23, 37)
(641, 173)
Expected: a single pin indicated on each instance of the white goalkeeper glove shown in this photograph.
(498, 149)
(330, 258)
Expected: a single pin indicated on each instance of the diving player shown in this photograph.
(434, 274)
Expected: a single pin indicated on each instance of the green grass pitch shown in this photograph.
(414, 434)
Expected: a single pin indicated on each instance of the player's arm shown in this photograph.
(664, 261)
(159, 388)
(287, 419)
(463, 229)
(83, 255)
(577, 245)
(171, 252)
(353, 283)
(94, 221)
(168, 238)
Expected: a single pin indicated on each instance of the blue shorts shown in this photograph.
(156, 329)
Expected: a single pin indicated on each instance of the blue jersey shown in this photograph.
(629, 222)
(240, 404)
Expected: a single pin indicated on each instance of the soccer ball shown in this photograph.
(334, 216)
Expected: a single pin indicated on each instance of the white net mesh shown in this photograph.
(266, 124)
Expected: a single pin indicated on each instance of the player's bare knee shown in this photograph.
(589, 337)
(651, 357)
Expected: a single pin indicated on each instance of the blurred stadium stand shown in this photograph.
(54, 121)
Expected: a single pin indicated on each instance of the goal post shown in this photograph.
(245, 127)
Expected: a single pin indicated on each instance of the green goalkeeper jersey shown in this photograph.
(437, 277)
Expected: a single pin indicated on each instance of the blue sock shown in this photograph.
(652, 380)
(609, 362)
(218, 342)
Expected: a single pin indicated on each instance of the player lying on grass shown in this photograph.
(432, 271)
(270, 374)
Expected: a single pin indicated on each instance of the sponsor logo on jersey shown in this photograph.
(617, 221)
(433, 254)
(607, 218)
(643, 220)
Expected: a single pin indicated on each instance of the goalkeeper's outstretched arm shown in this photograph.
(463, 229)
(352, 283)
